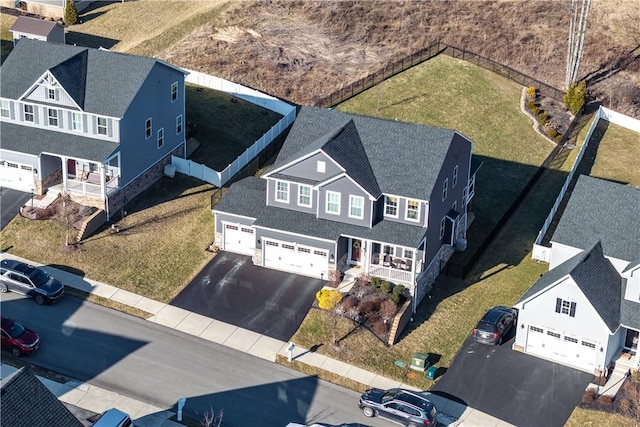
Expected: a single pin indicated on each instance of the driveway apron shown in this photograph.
(233, 290)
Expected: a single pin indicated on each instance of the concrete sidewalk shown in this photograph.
(451, 413)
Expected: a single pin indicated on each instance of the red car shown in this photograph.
(18, 339)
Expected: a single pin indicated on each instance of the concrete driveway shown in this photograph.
(512, 386)
(233, 290)
(10, 203)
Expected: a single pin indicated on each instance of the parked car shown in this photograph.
(495, 325)
(18, 339)
(400, 406)
(113, 418)
(28, 280)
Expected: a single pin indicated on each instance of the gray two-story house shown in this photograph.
(347, 191)
(93, 124)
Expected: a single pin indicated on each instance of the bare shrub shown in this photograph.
(605, 400)
(380, 328)
(370, 305)
(349, 302)
(388, 310)
(589, 395)
(354, 314)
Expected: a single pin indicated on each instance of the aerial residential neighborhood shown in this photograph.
(319, 213)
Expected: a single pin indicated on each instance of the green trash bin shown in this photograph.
(419, 361)
(432, 372)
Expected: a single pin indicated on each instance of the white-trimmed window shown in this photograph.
(28, 113)
(160, 137)
(4, 108)
(455, 206)
(179, 124)
(413, 210)
(282, 191)
(304, 195)
(391, 206)
(445, 189)
(102, 125)
(564, 306)
(442, 226)
(321, 166)
(174, 91)
(52, 115)
(455, 177)
(356, 207)
(51, 94)
(76, 122)
(333, 203)
(147, 128)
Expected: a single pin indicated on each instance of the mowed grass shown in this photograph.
(617, 156)
(124, 26)
(451, 93)
(160, 246)
(227, 125)
(6, 38)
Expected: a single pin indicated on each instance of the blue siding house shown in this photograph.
(384, 197)
(97, 125)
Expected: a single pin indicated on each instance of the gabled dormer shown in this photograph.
(330, 178)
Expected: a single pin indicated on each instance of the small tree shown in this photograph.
(576, 97)
(70, 13)
(210, 419)
(328, 299)
(388, 310)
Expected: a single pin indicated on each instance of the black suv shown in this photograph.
(400, 406)
(495, 325)
(28, 280)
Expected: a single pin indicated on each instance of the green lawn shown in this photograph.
(227, 125)
(618, 152)
(483, 106)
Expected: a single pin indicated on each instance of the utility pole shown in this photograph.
(577, 31)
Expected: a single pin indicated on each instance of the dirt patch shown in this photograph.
(302, 51)
(62, 210)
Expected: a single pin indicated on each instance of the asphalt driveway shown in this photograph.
(517, 388)
(233, 290)
(10, 203)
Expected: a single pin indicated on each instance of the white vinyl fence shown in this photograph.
(216, 178)
(543, 253)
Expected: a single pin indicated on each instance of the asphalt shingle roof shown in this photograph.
(600, 210)
(596, 277)
(35, 141)
(394, 149)
(27, 25)
(247, 198)
(26, 402)
(100, 81)
(629, 311)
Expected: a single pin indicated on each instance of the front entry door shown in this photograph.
(356, 251)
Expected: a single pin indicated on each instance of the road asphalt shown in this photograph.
(96, 399)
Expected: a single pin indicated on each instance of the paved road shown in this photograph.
(158, 365)
(10, 203)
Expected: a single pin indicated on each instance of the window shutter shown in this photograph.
(558, 304)
(572, 310)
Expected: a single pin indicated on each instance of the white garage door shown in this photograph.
(17, 176)
(239, 239)
(299, 259)
(566, 349)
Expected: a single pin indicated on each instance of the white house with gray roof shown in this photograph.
(387, 197)
(26, 27)
(585, 312)
(95, 124)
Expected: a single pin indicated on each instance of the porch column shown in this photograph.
(103, 182)
(64, 174)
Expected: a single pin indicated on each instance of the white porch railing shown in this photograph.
(91, 189)
(392, 274)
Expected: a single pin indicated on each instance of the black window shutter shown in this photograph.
(558, 304)
(572, 310)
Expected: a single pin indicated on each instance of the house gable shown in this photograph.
(589, 279)
(39, 92)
